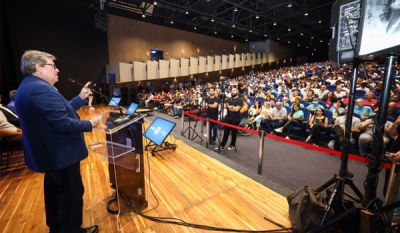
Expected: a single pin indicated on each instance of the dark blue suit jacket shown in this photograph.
(52, 132)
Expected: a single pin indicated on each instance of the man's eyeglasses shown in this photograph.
(54, 65)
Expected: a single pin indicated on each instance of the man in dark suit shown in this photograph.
(53, 140)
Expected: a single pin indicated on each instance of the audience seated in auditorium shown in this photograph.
(277, 117)
(297, 100)
(265, 112)
(339, 93)
(314, 105)
(336, 109)
(309, 96)
(294, 119)
(362, 110)
(255, 110)
(370, 100)
(329, 99)
(368, 126)
(339, 128)
(317, 123)
(321, 92)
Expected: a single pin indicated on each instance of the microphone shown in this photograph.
(108, 98)
(119, 120)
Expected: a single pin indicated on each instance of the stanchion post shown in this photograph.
(261, 151)
(393, 186)
(208, 131)
(182, 123)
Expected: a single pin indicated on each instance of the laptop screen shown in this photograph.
(114, 101)
(132, 108)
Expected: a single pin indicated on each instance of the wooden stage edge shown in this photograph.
(188, 184)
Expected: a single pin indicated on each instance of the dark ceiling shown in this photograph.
(301, 25)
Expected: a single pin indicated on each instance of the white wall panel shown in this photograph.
(264, 59)
(224, 64)
(122, 71)
(194, 65)
(217, 63)
(210, 64)
(231, 62)
(184, 71)
(202, 64)
(139, 71)
(174, 69)
(164, 69)
(248, 59)
(238, 62)
(152, 70)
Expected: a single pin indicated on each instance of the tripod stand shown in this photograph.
(193, 129)
(369, 213)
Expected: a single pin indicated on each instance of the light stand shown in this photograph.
(373, 217)
(335, 200)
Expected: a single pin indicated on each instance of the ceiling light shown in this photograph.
(298, 44)
(195, 28)
(235, 9)
(301, 34)
(307, 47)
(265, 35)
(212, 20)
(274, 23)
(321, 41)
(319, 21)
(257, 16)
(233, 25)
(250, 30)
(289, 41)
(232, 36)
(306, 14)
(155, 3)
(143, 16)
(289, 29)
(215, 32)
(312, 38)
(187, 12)
(172, 22)
(289, 5)
(246, 39)
(278, 38)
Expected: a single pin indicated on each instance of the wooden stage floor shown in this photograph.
(185, 184)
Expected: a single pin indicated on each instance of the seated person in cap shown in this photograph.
(314, 105)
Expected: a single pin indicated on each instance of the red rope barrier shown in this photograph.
(303, 144)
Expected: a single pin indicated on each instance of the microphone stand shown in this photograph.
(119, 120)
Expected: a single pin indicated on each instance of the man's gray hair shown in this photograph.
(32, 57)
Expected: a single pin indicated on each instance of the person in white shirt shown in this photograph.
(339, 92)
(339, 128)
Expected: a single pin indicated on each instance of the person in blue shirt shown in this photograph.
(314, 105)
(364, 111)
(11, 104)
(336, 109)
(295, 118)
